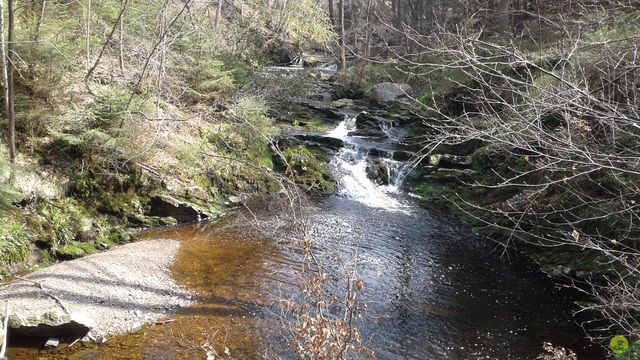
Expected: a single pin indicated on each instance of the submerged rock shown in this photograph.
(50, 325)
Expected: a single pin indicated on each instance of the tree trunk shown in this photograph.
(332, 14)
(163, 50)
(417, 17)
(395, 4)
(5, 66)
(353, 26)
(121, 40)
(428, 9)
(503, 20)
(368, 30)
(400, 14)
(89, 73)
(341, 33)
(36, 31)
(9, 85)
(88, 35)
(218, 14)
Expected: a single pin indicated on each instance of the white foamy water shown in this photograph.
(350, 169)
(342, 130)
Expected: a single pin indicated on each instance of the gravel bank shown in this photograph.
(117, 288)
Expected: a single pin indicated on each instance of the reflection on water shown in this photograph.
(442, 293)
(437, 291)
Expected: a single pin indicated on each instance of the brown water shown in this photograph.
(223, 264)
(436, 292)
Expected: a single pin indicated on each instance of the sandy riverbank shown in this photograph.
(117, 288)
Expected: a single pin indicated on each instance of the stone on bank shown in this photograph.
(51, 325)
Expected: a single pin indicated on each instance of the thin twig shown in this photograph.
(55, 298)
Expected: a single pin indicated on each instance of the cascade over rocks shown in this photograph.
(366, 118)
(384, 93)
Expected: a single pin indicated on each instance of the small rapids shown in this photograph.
(350, 168)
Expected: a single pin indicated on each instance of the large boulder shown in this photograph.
(384, 93)
(377, 171)
(50, 325)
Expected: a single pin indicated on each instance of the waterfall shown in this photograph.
(342, 130)
(349, 166)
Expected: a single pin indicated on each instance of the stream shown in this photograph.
(433, 289)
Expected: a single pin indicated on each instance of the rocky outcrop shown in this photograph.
(327, 114)
(385, 93)
(400, 155)
(324, 141)
(182, 211)
(198, 193)
(447, 160)
(342, 103)
(50, 325)
(437, 173)
(447, 167)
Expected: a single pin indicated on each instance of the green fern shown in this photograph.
(15, 244)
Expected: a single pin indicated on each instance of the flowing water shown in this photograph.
(433, 290)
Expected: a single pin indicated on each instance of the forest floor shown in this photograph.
(117, 289)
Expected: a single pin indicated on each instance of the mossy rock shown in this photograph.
(76, 250)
